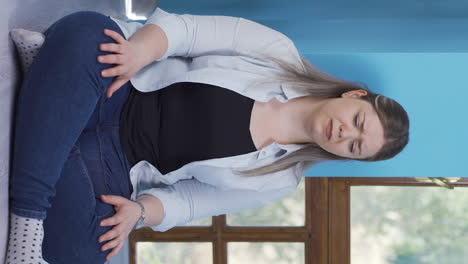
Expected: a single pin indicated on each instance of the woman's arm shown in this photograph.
(188, 200)
(154, 210)
(171, 35)
(146, 45)
(178, 204)
(126, 216)
(150, 42)
(197, 35)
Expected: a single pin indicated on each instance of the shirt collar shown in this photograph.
(290, 92)
(289, 147)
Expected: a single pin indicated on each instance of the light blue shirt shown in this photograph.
(222, 51)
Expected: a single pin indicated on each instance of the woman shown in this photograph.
(194, 148)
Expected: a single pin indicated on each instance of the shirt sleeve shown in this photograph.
(188, 200)
(196, 35)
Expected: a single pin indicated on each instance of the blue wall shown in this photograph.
(433, 88)
(412, 51)
(350, 26)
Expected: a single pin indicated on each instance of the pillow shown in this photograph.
(27, 45)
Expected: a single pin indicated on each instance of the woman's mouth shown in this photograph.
(329, 129)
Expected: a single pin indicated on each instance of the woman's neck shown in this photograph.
(292, 120)
(284, 123)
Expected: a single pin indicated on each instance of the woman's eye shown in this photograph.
(356, 120)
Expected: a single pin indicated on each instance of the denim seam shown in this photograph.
(85, 172)
(101, 103)
(101, 159)
(29, 213)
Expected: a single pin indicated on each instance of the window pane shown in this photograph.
(289, 211)
(265, 253)
(141, 8)
(174, 252)
(200, 222)
(396, 225)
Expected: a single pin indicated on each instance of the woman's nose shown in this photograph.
(345, 133)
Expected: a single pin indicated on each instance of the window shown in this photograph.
(275, 232)
(317, 223)
(397, 220)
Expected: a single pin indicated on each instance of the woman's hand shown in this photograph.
(127, 215)
(126, 57)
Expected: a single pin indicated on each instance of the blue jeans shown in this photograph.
(66, 146)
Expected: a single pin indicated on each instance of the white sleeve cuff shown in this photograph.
(172, 207)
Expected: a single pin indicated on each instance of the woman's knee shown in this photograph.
(76, 20)
(81, 26)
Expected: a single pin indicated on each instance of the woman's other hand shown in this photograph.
(127, 215)
(125, 57)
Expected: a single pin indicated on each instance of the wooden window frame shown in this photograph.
(326, 234)
(339, 247)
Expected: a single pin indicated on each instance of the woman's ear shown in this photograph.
(354, 93)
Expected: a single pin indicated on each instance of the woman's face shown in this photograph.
(349, 127)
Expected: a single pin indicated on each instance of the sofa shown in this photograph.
(34, 15)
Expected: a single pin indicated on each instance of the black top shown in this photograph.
(185, 122)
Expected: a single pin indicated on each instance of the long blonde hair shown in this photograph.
(319, 84)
